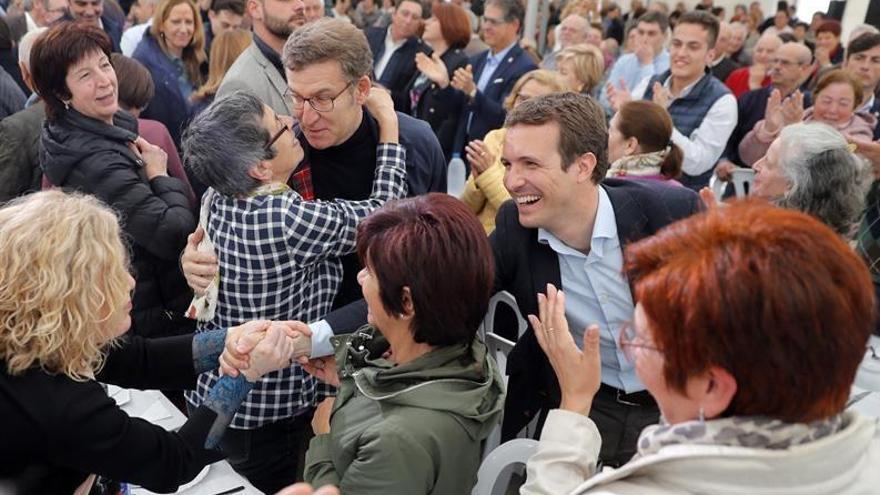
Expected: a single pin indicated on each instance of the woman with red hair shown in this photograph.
(750, 324)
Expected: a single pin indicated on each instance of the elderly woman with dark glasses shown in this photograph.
(750, 324)
(278, 254)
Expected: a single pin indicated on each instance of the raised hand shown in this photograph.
(433, 68)
(321, 418)
(381, 106)
(617, 96)
(661, 95)
(155, 159)
(463, 80)
(479, 157)
(644, 51)
(793, 108)
(578, 372)
(773, 120)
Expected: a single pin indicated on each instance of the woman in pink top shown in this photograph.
(834, 103)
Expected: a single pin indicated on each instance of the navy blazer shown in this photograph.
(524, 267)
(168, 105)
(401, 67)
(113, 30)
(486, 110)
(440, 108)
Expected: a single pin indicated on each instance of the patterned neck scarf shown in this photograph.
(635, 165)
(755, 432)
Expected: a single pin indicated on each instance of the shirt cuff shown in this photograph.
(321, 333)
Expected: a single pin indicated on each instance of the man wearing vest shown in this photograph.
(702, 109)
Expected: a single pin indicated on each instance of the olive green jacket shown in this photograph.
(410, 429)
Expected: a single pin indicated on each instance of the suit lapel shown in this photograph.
(505, 64)
(544, 268)
(275, 80)
(628, 215)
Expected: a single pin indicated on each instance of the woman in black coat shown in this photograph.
(64, 311)
(90, 146)
(432, 99)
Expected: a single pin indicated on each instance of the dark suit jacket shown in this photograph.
(20, 171)
(751, 108)
(487, 106)
(724, 68)
(400, 69)
(524, 267)
(440, 108)
(113, 28)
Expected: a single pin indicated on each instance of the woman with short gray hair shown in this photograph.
(811, 168)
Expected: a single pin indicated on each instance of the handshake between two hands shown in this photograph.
(258, 347)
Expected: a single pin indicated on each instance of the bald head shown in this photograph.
(573, 30)
(790, 66)
(722, 44)
(765, 48)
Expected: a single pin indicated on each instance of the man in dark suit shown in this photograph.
(568, 227)
(491, 75)
(394, 51)
(722, 66)
(790, 67)
(95, 11)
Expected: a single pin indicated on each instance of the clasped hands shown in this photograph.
(258, 347)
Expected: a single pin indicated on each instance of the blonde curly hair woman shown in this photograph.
(64, 311)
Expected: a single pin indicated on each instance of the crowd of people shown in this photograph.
(243, 203)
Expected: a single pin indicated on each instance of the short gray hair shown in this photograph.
(224, 142)
(827, 180)
(25, 43)
(329, 39)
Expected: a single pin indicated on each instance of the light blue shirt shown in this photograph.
(633, 72)
(597, 292)
(492, 63)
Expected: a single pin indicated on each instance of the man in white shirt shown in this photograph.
(703, 110)
(863, 60)
(573, 30)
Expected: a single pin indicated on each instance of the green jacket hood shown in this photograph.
(462, 380)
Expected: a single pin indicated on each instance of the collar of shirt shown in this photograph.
(29, 21)
(496, 58)
(684, 92)
(868, 106)
(604, 229)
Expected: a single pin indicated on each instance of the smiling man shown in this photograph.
(566, 225)
(703, 110)
(93, 11)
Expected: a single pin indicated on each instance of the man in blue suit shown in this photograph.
(394, 51)
(491, 74)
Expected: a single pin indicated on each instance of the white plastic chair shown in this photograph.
(498, 467)
(739, 177)
(488, 324)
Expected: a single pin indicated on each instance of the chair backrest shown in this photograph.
(488, 324)
(496, 470)
(739, 177)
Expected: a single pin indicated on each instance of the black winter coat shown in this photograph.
(82, 154)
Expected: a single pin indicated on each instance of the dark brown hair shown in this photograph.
(417, 243)
(581, 124)
(771, 295)
(59, 48)
(135, 84)
(704, 19)
(651, 125)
